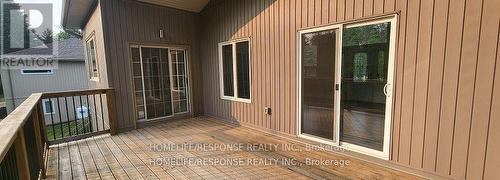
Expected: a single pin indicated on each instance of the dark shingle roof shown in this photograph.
(68, 49)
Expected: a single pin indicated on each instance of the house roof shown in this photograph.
(70, 49)
(76, 12)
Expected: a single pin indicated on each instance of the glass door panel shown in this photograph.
(318, 83)
(137, 78)
(179, 79)
(365, 62)
(156, 82)
(160, 81)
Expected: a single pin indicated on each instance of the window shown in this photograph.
(37, 71)
(92, 59)
(48, 107)
(235, 70)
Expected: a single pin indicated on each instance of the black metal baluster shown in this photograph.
(2, 171)
(60, 118)
(83, 118)
(102, 112)
(95, 114)
(74, 113)
(52, 118)
(15, 172)
(88, 113)
(67, 115)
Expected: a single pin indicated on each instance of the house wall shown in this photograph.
(94, 27)
(447, 91)
(125, 22)
(21, 86)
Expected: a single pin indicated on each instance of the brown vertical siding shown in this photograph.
(126, 22)
(94, 27)
(492, 162)
(446, 79)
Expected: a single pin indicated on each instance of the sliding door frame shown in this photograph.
(385, 153)
(169, 47)
(338, 54)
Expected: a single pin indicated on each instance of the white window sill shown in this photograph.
(229, 98)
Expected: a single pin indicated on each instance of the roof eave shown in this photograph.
(80, 15)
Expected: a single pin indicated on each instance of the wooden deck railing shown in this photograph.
(24, 132)
(77, 114)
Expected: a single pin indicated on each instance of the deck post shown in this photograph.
(39, 133)
(110, 99)
(22, 156)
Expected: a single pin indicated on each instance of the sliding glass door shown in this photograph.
(364, 80)
(318, 72)
(346, 74)
(160, 81)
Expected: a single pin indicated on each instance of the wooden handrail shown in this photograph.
(11, 125)
(73, 93)
(14, 128)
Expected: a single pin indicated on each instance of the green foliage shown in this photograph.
(62, 130)
(362, 35)
(69, 33)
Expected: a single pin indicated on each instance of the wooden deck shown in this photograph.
(130, 156)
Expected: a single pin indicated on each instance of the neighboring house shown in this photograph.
(407, 84)
(18, 84)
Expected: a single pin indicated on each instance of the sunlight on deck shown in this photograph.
(202, 148)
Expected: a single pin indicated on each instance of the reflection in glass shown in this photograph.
(243, 70)
(227, 67)
(179, 90)
(156, 82)
(318, 72)
(364, 75)
(160, 84)
(139, 95)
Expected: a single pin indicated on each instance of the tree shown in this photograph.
(46, 36)
(69, 33)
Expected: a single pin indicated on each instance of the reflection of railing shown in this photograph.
(24, 141)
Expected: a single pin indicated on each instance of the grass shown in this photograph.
(62, 130)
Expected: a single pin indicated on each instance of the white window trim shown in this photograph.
(235, 75)
(44, 107)
(48, 73)
(89, 62)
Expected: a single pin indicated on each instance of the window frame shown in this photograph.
(91, 38)
(391, 55)
(235, 75)
(51, 71)
(45, 107)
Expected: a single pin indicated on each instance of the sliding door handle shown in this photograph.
(386, 91)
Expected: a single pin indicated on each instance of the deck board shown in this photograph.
(129, 156)
(78, 169)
